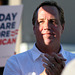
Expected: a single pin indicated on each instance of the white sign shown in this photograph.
(10, 17)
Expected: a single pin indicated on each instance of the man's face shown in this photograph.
(47, 27)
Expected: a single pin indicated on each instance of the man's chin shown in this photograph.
(48, 42)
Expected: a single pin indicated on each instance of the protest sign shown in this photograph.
(10, 17)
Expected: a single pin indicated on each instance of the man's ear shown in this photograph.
(62, 28)
(34, 28)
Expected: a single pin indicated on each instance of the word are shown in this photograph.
(8, 33)
(8, 25)
(5, 33)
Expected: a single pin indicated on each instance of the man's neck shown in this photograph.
(49, 49)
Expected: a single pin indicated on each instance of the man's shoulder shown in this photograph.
(69, 54)
(20, 56)
(23, 54)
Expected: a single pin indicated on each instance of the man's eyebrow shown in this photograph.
(44, 19)
(41, 19)
(53, 19)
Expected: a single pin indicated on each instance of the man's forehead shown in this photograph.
(48, 9)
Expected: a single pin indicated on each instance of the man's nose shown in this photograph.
(47, 25)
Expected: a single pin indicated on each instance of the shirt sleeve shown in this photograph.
(12, 67)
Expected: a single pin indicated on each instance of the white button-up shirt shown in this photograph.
(30, 62)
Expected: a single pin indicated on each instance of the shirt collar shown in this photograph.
(36, 53)
(62, 51)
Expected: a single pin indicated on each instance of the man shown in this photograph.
(47, 56)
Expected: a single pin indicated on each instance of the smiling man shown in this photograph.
(48, 29)
(47, 57)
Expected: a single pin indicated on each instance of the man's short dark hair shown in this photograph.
(49, 3)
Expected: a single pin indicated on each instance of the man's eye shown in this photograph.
(40, 22)
(53, 22)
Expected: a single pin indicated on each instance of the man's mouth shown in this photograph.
(48, 33)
